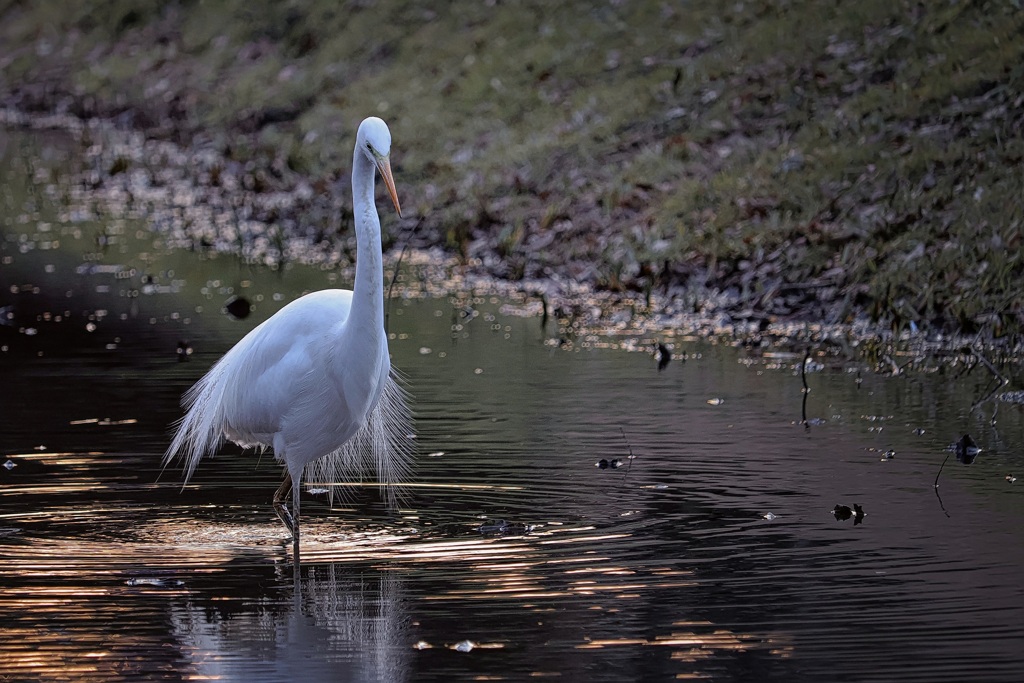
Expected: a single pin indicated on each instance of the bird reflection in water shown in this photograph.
(339, 623)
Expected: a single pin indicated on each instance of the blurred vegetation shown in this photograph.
(815, 160)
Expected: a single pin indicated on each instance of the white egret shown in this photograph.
(314, 381)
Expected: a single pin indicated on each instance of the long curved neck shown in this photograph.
(367, 311)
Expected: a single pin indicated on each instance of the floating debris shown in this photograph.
(469, 646)
(663, 355)
(422, 645)
(769, 516)
(844, 512)
(317, 491)
(102, 422)
(1010, 478)
(154, 581)
(715, 401)
(435, 454)
(238, 307)
(501, 527)
(888, 455)
(605, 464)
(424, 350)
(184, 351)
(966, 449)
(10, 464)
(919, 431)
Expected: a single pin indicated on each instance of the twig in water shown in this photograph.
(1001, 379)
(631, 456)
(803, 370)
(985, 361)
(394, 275)
(936, 486)
(806, 390)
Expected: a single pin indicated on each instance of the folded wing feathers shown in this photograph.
(384, 447)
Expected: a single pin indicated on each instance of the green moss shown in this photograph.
(873, 147)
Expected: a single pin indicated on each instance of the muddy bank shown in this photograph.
(701, 169)
(165, 193)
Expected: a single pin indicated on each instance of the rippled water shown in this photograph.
(713, 554)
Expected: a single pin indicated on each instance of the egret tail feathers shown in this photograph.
(201, 431)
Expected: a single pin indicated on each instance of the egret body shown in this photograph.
(314, 381)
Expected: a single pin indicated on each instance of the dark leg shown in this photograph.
(281, 503)
(295, 511)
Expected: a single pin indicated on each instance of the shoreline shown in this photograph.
(866, 172)
(164, 190)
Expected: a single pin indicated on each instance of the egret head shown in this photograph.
(374, 139)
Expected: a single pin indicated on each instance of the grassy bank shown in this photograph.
(810, 159)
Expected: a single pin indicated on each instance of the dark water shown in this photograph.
(664, 568)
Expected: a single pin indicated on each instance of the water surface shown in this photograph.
(713, 554)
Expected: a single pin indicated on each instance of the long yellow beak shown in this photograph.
(384, 166)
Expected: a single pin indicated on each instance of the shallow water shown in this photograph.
(712, 554)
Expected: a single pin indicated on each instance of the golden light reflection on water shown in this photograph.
(77, 457)
(77, 475)
(109, 558)
(523, 570)
(558, 565)
(701, 641)
(77, 631)
(69, 557)
(56, 490)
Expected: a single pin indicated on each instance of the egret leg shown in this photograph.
(295, 512)
(281, 503)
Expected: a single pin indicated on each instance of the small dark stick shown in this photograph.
(935, 486)
(806, 391)
(803, 371)
(663, 355)
(394, 275)
(631, 456)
